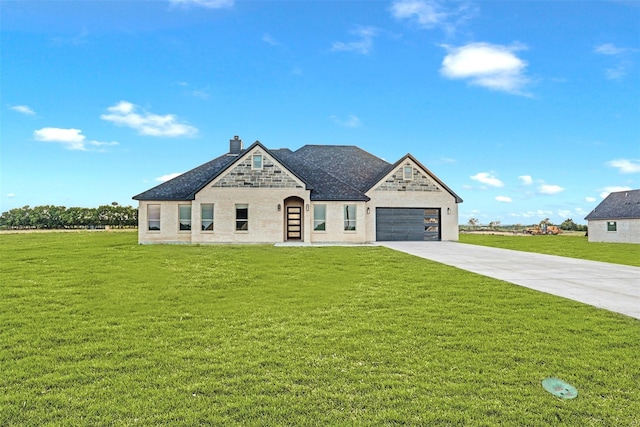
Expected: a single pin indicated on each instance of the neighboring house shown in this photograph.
(319, 193)
(616, 218)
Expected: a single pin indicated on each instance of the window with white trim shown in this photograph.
(256, 163)
(242, 217)
(407, 173)
(206, 216)
(184, 214)
(349, 217)
(319, 217)
(153, 217)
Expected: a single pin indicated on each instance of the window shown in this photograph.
(153, 217)
(257, 161)
(242, 217)
(407, 173)
(350, 217)
(207, 216)
(319, 217)
(612, 226)
(184, 212)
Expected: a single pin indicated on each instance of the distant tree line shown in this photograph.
(60, 217)
(567, 224)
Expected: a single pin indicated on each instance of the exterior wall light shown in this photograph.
(368, 210)
(448, 211)
(279, 207)
(306, 208)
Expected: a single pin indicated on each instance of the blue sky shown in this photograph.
(527, 110)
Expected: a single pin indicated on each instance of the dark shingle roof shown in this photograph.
(324, 185)
(347, 163)
(618, 205)
(331, 172)
(185, 186)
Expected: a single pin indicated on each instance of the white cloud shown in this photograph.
(10, 195)
(168, 176)
(621, 54)
(526, 179)
(210, 4)
(581, 211)
(616, 73)
(351, 122)
(24, 109)
(447, 160)
(625, 165)
(427, 13)
(487, 178)
(613, 189)
(202, 93)
(492, 66)
(101, 143)
(363, 45)
(590, 199)
(268, 38)
(504, 199)
(124, 114)
(609, 49)
(537, 213)
(550, 189)
(432, 13)
(72, 139)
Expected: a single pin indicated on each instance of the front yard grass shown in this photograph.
(572, 246)
(97, 330)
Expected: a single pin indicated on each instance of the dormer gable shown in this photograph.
(257, 167)
(408, 174)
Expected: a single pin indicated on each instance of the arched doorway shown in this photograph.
(293, 218)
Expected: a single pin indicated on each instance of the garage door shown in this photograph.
(407, 224)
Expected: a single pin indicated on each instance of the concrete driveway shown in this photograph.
(610, 286)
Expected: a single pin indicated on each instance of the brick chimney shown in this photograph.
(235, 145)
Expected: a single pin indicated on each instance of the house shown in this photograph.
(317, 194)
(616, 218)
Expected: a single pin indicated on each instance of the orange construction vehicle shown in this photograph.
(543, 228)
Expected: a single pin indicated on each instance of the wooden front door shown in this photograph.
(294, 222)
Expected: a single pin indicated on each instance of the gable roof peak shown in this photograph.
(618, 205)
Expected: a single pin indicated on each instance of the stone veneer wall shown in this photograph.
(419, 182)
(270, 176)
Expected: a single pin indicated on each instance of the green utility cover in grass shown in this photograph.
(559, 388)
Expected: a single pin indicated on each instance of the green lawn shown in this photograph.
(573, 246)
(97, 330)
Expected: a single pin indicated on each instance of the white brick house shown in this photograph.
(317, 194)
(616, 218)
